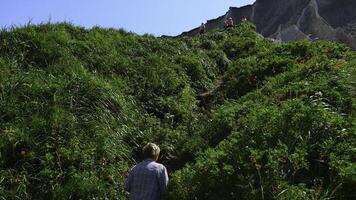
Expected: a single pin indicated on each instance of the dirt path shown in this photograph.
(215, 86)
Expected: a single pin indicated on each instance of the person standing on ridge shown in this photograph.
(147, 180)
(202, 29)
(229, 23)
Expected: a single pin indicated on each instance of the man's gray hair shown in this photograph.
(151, 150)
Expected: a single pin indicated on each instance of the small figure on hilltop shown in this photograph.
(229, 23)
(148, 179)
(202, 29)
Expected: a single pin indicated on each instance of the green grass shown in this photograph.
(245, 118)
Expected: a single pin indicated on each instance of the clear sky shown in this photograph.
(169, 17)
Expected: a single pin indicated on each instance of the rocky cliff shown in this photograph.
(296, 19)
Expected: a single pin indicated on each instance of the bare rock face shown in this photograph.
(290, 20)
(338, 13)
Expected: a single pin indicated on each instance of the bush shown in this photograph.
(236, 116)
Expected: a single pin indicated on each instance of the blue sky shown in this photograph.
(169, 17)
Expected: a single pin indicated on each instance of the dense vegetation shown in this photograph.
(237, 116)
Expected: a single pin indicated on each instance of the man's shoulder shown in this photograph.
(160, 165)
(157, 165)
(149, 164)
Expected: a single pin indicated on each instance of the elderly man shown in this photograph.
(147, 180)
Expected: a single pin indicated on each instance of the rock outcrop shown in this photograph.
(296, 19)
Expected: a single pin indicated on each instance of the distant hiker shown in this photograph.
(229, 23)
(147, 180)
(202, 28)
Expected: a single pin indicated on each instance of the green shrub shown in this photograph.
(236, 116)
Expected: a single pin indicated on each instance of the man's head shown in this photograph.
(151, 151)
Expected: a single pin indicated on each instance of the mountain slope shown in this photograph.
(297, 19)
(236, 116)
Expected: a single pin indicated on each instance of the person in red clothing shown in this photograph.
(229, 23)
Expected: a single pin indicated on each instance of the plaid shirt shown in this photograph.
(147, 181)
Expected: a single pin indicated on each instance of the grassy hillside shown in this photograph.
(236, 116)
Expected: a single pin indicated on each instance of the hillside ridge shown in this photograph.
(236, 116)
(294, 20)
